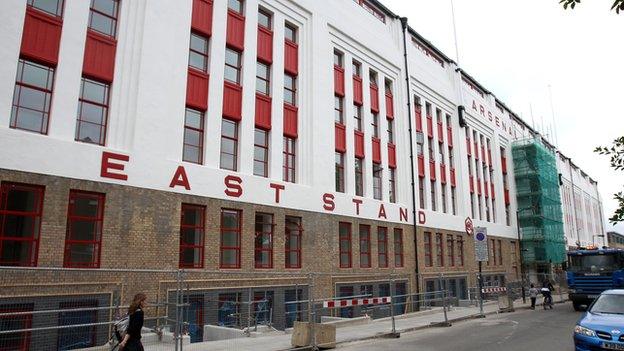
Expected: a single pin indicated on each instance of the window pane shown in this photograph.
(34, 74)
(290, 33)
(231, 57)
(230, 258)
(264, 19)
(236, 5)
(53, 7)
(85, 207)
(231, 74)
(92, 113)
(105, 6)
(16, 252)
(197, 61)
(102, 24)
(82, 253)
(23, 200)
(228, 129)
(89, 132)
(19, 226)
(94, 91)
(193, 119)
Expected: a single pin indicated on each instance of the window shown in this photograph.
(32, 97)
(398, 247)
(450, 250)
(372, 76)
(430, 151)
(236, 6)
(229, 145)
(377, 182)
(289, 159)
(439, 250)
(290, 89)
(441, 153)
(264, 19)
(84, 229)
(492, 254)
(92, 112)
(193, 146)
(103, 16)
(340, 181)
(433, 196)
(338, 109)
(443, 187)
(261, 153)
(382, 246)
(344, 231)
(192, 231)
(263, 78)
(359, 177)
(392, 184)
(357, 116)
(20, 223)
(230, 239)
(293, 242)
(388, 86)
(232, 66)
(453, 201)
(421, 192)
(16, 340)
(263, 247)
(229, 309)
(460, 251)
(83, 337)
(420, 143)
(451, 158)
(500, 252)
(52, 7)
(290, 33)
(293, 307)
(365, 247)
(390, 125)
(357, 68)
(338, 58)
(428, 250)
(375, 124)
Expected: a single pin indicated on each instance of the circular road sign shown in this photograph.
(480, 236)
(469, 226)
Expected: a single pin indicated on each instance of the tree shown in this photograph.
(618, 5)
(616, 152)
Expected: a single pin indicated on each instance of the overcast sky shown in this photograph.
(516, 48)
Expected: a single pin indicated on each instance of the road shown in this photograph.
(523, 330)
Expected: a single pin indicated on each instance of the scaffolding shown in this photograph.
(540, 217)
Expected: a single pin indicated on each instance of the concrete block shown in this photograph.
(325, 335)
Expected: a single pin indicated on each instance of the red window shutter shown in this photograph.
(507, 201)
(290, 121)
(201, 20)
(235, 30)
(341, 138)
(359, 144)
(291, 57)
(265, 45)
(430, 127)
(421, 166)
(357, 90)
(443, 173)
(468, 147)
(471, 184)
(263, 111)
(42, 37)
(374, 95)
(432, 170)
(504, 164)
(232, 101)
(453, 182)
(339, 86)
(376, 150)
(389, 106)
(99, 57)
(449, 136)
(440, 132)
(197, 89)
(492, 191)
(418, 120)
(391, 155)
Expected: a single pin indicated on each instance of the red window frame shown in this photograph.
(104, 105)
(365, 246)
(359, 177)
(290, 157)
(460, 251)
(344, 238)
(97, 220)
(59, 8)
(450, 250)
(398, 247)
(113, 18)
(340, 176)
(428, 250)
(35, 215)
(439, 250)
(382, 247)
(289, 248)
(234, 139)
(198, 229)
(22, 338)
(236, 248)
(47, 91)
(205, 54)
(260, 247)
(193, 128)
(263, 147)
(238, 66)
(392, 185)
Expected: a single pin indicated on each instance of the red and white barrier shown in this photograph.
(356, 302)
(493, 289)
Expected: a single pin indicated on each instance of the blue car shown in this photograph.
(602, 326)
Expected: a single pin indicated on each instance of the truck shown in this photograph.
(591, 271)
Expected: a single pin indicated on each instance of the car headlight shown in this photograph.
(584, 331)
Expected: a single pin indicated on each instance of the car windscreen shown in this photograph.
(593, 263)
(608, 304)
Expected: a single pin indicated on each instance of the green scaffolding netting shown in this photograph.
(539, 203)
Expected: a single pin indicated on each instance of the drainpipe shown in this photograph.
(411, 149)
(578, 235)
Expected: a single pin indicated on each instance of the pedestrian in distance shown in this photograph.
(132, 339)
(533, 295)
(546, 292)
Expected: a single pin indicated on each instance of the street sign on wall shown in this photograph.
(481, 244)
(469, 226)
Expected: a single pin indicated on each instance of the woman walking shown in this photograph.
(533, 295)
(132, 339)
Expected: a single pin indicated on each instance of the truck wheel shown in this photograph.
(577, 306)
